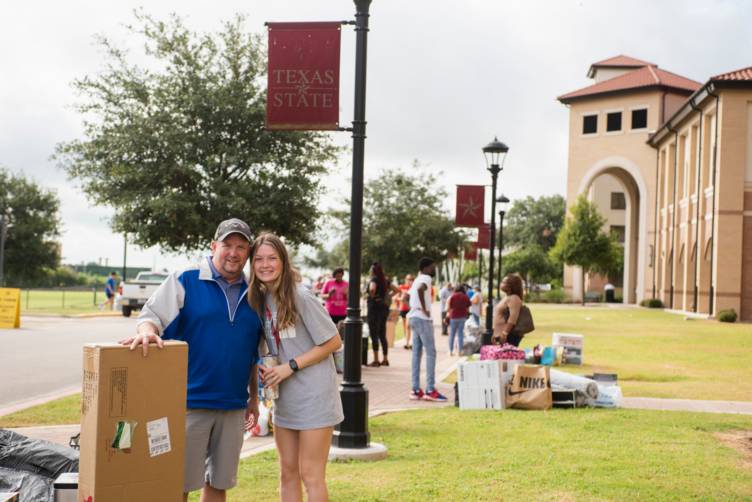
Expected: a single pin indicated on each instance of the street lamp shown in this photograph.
(352, 432)
(494, 152)
(503, 201)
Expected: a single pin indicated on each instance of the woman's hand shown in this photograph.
(275, 375)
(499, 338)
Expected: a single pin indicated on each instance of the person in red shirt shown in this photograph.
(334, 294)
(404, 308)
(458, 308)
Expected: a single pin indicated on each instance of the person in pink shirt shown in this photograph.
(334, 294)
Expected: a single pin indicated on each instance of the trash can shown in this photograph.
(610, 296)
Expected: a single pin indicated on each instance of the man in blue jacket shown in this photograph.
(206, 307)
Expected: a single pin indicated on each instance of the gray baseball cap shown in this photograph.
(233, 226)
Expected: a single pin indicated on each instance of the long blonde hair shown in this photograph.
(284, 288)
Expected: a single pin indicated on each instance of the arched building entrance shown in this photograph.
(629, 178)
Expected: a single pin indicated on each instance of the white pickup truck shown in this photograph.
(136, 292)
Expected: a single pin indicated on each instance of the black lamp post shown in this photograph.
(502, 202)
(353, 431)
(494, 151)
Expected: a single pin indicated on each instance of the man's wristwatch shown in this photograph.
(294, 366)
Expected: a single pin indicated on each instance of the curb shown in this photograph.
(87, 315)
(29, 403)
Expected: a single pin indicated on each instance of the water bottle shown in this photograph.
(270, 392)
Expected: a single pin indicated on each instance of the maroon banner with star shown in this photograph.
(484, 236)
(303, 84)
(469, 211)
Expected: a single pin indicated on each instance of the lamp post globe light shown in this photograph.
(495, 153)
(502, 201)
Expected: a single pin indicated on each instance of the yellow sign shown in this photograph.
(10, 308)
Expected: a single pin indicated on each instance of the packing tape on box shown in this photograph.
(123, 435)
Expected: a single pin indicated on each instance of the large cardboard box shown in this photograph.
(133, 423)
(481, 385)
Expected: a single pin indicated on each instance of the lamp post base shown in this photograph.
(376, 451)
(487, 337)
(353, 431)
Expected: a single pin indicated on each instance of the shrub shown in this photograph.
(727, 315)
(552, 296)
(555, 296)
(652, 303)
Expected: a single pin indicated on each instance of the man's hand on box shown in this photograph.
(147, 333)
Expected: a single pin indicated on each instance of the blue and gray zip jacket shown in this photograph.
(223, 340)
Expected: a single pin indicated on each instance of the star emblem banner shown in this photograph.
(469, 212)
(484, 236)
(303, 83)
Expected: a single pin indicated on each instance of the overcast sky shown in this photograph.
(444, 77)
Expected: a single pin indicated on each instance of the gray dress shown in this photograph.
(308, 399)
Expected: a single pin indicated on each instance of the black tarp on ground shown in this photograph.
(30, 466)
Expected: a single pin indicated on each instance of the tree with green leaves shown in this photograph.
(535, 222)
(178, 144)
(404, 219)
(583, 242)
(33, 228)
(532, 263)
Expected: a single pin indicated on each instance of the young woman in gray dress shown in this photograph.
(301, 333)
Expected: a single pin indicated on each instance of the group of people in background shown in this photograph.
(413, 299)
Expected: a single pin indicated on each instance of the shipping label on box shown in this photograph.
(133, 423)
(480, 385)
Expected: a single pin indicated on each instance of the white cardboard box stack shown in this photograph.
(481, 385)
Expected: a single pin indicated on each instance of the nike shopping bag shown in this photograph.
(530, 388)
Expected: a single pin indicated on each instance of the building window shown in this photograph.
(640, 119)
(619, 230)
(618, 201)
(613, 122)
(589, 124)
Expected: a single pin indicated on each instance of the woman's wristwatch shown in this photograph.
(294, 365)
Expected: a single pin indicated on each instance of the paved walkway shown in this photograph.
(389, 389)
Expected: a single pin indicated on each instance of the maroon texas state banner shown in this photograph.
(470, 208)
(303, 83)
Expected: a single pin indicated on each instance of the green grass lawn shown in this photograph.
(446, 454)
(60, 302)
(656, 354)
(66, 410)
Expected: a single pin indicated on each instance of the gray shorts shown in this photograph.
(213, 440)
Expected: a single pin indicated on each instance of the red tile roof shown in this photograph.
(736, 75)
(644, 77)
(622, 61)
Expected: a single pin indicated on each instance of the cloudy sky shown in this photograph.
(444, 77)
